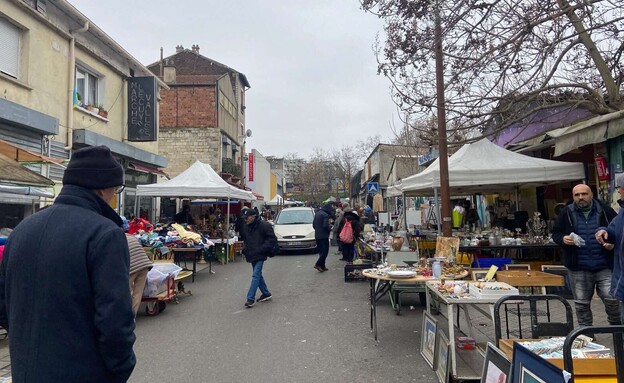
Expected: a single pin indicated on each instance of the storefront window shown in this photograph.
(145, 205)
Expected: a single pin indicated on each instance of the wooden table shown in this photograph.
(380, 285)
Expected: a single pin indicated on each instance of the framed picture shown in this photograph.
(529, 367)
(496, 365)
(428, 338)
(443, 357)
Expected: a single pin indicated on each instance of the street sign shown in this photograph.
(245, 158)
(372, 187)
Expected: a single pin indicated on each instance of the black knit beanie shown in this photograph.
(93, 168)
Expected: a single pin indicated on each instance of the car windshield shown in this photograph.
(295, 217)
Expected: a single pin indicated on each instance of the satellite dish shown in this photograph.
(248, 133)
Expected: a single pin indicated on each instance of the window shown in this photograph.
(10, 41)
(86, 87)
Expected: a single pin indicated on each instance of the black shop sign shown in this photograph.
(142, 108)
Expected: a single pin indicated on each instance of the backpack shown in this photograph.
(346, 234)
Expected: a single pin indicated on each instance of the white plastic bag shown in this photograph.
(157, 276)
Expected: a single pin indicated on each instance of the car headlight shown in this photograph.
(278, 235)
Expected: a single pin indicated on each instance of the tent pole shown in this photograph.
(437, 207)
(517, 201)
(227, 233)
(404, 211)
(136, 204)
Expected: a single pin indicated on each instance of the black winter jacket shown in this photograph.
(64, 294)
(321, 222)
(592, 256)
(259, 240)
(355, 224)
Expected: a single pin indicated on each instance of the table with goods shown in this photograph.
(382, 278)
(465, 295)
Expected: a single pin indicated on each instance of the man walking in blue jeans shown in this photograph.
(589, 264)
(322, 226)
(260, 241)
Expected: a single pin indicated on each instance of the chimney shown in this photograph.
(169, 73)
(179, 48)
(195, 48)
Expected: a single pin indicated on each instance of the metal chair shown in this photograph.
(538, 329)
(618, 346)
(398, 289)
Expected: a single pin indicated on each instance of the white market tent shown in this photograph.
(278, 200)
(199, 180)
(484, 167)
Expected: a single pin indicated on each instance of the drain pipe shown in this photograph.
(72, 83)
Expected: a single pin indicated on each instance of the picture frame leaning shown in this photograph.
(428, 338)
(496, 366)
(443, 357)
(528, 367)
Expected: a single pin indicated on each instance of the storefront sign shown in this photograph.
(602, 168)
(428, 157)
(142, 108)
(251, 166)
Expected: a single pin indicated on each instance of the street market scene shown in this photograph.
(442, 202)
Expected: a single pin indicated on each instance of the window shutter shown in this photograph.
(9, 48)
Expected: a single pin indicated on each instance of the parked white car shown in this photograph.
(293, 229)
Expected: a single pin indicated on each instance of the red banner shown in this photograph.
(251, 166)
(602, 168)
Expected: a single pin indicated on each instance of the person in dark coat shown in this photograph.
(64, 280)
(590, 265)
(613, 234)
(184, 216)
(260, 241)
(322, 228)
(349, 248)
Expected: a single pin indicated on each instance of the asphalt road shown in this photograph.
(316, 329)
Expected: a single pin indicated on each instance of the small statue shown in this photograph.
(536, 228)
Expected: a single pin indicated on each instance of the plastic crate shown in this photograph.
(485, 263)
(353, 273)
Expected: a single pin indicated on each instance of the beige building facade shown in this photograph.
(64, 85)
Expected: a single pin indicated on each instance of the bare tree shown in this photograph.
(503, 59)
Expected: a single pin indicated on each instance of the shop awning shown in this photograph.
(148, 169)
(13, 173)
(21, 155)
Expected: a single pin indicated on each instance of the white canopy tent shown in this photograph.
(484, 167)
(279, 201)
(199, 180)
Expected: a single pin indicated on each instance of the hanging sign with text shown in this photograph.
(142, 108)
(251, 166)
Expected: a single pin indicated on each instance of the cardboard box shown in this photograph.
(603, 366)
(529, 278)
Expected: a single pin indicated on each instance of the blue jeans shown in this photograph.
(583, 285)
(257, 281)
(322, 246)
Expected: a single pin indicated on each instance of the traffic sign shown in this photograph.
(373, 187)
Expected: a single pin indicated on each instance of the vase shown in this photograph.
(397, 243)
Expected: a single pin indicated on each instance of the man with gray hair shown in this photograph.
(613, 235)
(64, 279)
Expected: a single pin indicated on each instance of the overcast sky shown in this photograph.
(310, 63)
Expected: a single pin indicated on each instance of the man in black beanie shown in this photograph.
(64, 277)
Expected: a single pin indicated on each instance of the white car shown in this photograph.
(293, 229)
